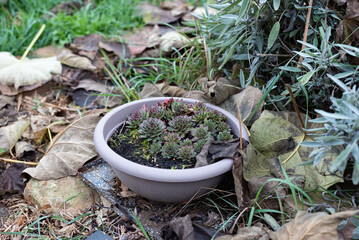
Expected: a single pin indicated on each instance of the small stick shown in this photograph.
(33, 42)
(235, 222)
(240, 131)
(306, 29)
(18, 161)
(295, 106)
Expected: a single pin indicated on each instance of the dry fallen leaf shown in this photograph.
(120, 49)
(218, 91)
(171, 40)
(68, 152)
(277, 135)
(171, 89)
(245, 233)
(154, 15)
(14, 72)
(10, 179)
(76, 61)
(244, 103)
(10, 134)
(312, 226)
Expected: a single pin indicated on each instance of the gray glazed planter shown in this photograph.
(157, 184)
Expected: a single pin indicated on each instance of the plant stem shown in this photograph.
(306, 29)
(295, 107)
(33, 42)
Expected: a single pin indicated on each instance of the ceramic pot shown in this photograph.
(164, 185)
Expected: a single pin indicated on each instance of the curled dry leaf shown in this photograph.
(277, 135)
(76, 61)
(244, 103)
(171, 40)
(5, 100)
(14, 72)
(312, 226)
(68, 152)
(25, 150)
(171, 90)
(10, 179)
(10, 134)
(218, 91)
(182, 226)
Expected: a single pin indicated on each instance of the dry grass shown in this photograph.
(20, 220)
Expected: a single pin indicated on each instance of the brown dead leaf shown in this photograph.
(76, 61)
(11, 91)
(87, 43)
(182, 226)
(120, 49)
(48, 51)
(218, 91)
(246, 233)
(312, 226)
(25, 151)
(244, 103)
(68, 152)
(92, 85)
(5, 100)
(347, 28)
(171, 90)
(138, 41)
(155, 15)
(150, 90)
(10, 180)
(10, 134)
(240, 185)
(196, 94)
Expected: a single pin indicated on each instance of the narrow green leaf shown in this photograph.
(242, 11)
(276, 4)
(306, 77)
(273, 34)
(290, 69)
(338, 82)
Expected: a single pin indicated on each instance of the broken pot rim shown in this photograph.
(152, 173)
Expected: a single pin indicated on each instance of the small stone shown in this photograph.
(70, 194)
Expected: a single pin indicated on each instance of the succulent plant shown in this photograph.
(198, 106)
(171, 137)
(151, 129)
(157, 112)
(135, 119)
(177, 107)
(200, 116)
(224, 136)
(186, 153)
(200, 132)
(199, 145)
(180, 124)
(222, 126)
(216, 116)
(155, 147)
(186, 142)
(212, 125)
(168, 115)
(169, 149)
